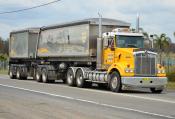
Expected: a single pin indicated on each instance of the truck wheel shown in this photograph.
(154, 90)
(115, 82)
(44, 76)
(70, 77)
(80, 78)
(18, 74)
(38, 76)
(11, 74)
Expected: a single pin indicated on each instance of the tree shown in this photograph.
(162, 44)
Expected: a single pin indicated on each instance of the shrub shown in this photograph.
(171, 76)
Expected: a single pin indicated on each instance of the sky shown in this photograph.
(156, 16)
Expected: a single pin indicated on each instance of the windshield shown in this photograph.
(130, 41)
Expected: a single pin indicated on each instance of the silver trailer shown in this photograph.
(76, 40)
(22, 43)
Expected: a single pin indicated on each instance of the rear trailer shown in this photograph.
(22, 52)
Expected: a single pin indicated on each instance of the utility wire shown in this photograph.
(25, 9)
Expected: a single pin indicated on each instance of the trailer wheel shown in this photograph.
(11, 73)
(80, 81)
(115, 82)
(38, 76)
(154, 90)
(70, 77)
(18, 74)
(44, 76)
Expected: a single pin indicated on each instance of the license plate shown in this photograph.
(146, 79)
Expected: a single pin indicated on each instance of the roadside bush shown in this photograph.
(171, 76)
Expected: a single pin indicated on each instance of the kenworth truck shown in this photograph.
(76, 54)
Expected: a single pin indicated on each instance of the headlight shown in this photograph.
(161, 72)
(128, 70)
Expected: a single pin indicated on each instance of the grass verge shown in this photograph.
(4, 72)
(171, 85)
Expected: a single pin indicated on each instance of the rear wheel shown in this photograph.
(38, 76)
(80, 81)
(44, 76)
(70, 77)
(115, 82)
(18, 74)
(11, 74)
(154, 90)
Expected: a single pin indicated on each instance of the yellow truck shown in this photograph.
(79, 54)
(128, 64)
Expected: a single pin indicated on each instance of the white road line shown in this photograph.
(133, 96)
(126, 95)
(92, 102)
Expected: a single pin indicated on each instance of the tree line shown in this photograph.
(4, 49)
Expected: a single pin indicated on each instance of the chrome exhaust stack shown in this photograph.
(99, 45)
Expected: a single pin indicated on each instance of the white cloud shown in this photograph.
(157, 16)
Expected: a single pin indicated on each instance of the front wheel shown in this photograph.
(154, 90)
(115, 82)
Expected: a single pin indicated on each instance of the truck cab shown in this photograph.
(129, 64)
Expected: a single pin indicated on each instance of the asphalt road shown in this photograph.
(28, 99)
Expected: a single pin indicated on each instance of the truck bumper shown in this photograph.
(145, 82)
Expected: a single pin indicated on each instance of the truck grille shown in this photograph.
(145, 64)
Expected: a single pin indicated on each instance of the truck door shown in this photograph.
(109, 52)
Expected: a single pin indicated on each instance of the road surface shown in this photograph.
(28, 99)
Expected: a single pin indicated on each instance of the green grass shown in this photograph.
(4, 72)
(171, 85)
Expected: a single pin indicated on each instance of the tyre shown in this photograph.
(38, 76)
(11, 74)
(80, 81)
(70, 77)
(24, 75)
(18, 74)
(44, 76)
(115, 82)
(154, 90)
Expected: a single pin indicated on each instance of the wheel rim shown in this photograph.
(70, 77)
(79, 79)
(11, 75)
(37, 76)
(114, 83)
(18, 74)
(44, 77)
